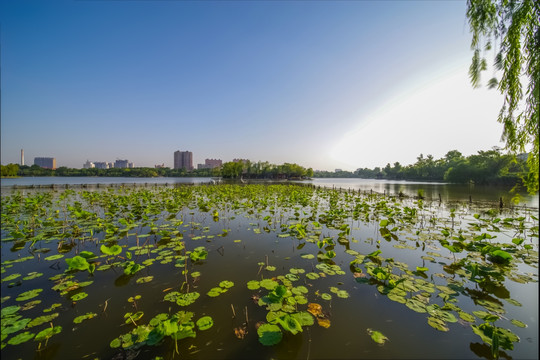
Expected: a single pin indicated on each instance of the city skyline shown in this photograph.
(324, 85)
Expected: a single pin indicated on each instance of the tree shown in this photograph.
(511, 26)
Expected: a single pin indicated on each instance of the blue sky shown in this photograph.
(324, 84)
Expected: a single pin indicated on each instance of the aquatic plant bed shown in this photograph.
(263, 271)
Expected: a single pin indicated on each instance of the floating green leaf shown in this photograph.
(47, 333)
(253, 285)
(79, 296)
(269, 334)
(21, 338)
(28, 294)
(377, 336)
(205, 323)
(86, 316)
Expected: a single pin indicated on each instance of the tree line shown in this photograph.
(233, 170)
(490, 167)
(485, 168)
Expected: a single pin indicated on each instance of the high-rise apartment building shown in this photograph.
(183, 160)
(213, 163)
(88, 165)
(101, 165)
(45, 162)
(121, 164)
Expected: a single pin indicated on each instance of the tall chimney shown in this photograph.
(22, 157)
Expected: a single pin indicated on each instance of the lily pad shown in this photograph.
(205, 323)
(21, 338)
(377, 336)
(86, 316)
(28, 294)
(79, 296)
(253, 285)
(269, 334)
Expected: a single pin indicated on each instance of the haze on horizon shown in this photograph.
(325, 85)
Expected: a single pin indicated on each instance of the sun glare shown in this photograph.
(439, 116)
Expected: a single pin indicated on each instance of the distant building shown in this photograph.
(339, 170)
(45, 162)
(110, 165)
(131, 165)
(121, 164)
(183, 160)
(213, 163)
(158, 166)
(22, 157)
(101, 165)
(88, 165)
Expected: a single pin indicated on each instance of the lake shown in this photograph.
(448, 192)
(263, 271)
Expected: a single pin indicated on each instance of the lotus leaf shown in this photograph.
(394, 296)
(505, 337)
(303, 318)
(437, 323)
(187, 299)
(312, 276)
(28, 294)
(299, 290)
(79, 296)
(205, 323)
(77, 263)
(32, 275)
(416, 305)
(12, 327)
(484, 315)
(54, 257)
(269, 334)
(21, 338)
(253, 285)
(466, 316)
(11, 277)
(132, 317)
(9, 310)
(112, 251)
(272, 316)
(144, 279)
(268, 284)
(377, 336)
(47, 333)
(42, 319)
(315, 309)
(326, 296)
(518, 323)
(185, 331)
(226, 284)
(216, 291)
(81, 318)
(323, 322)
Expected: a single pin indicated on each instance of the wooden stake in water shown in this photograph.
(233, 312)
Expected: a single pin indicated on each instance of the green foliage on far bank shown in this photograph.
(243, 169)
(486, 167)
(9, 170)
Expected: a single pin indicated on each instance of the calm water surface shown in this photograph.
(431, 190)
(253, 238)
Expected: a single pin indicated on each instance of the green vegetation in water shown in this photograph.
(463, 256)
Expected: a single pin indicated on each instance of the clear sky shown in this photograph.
(324, 84)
